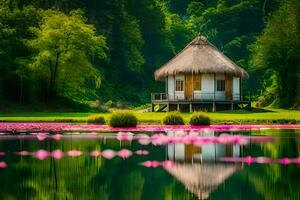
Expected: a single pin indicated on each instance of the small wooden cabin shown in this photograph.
(200, 75)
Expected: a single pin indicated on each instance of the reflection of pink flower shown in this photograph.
(41, 154)
(263, 160)
(147, 164)
(124, 136)
(3, 165)
(296, 160)
(57, 154)
(95, 153)
(144, 139)
(56, 137)
(231, 159)
(74, 153)
(142, 152)
(284, 161)
(41, 136)
(23, 153)
(249, 160)
(2, 153)
(124, 153)
(108, 154)
(168, 163)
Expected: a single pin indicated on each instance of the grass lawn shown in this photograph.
(238, 116)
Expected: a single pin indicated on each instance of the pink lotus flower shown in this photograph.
(124, 153)
(41, 154)
(57, 154)
(2, 153)
(3, 165)
(142, 152)
(56, 137)
(122, 136)
(108, 154)
(74, 153)
(95, 153)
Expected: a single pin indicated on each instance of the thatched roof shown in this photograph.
(202, 179)
(200, 56)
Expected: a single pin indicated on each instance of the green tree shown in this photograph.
(277, 51)
(66, 44)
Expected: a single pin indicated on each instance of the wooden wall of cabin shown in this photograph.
(228, 87)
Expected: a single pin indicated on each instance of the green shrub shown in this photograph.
(199, 119)
(96, 119)
(173, 118)
(123, 119)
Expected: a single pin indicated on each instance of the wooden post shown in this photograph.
(231, 105)
(178, 109)
(152, 107)
(192, 85)
(214, 106)
(167, 87)
(191, 107)
(174, 86)
(214, 87)
(241, 90)
(168, 107)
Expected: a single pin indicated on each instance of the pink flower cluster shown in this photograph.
(54, 127)
(261, 160)
(192, 138)
(58, 154)
(155, 164)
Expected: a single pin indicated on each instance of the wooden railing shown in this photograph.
(200, 96)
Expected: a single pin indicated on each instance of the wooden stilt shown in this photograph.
(178, 109)
(191, 107)
(231, 105)
(168, 107)
(152, 107)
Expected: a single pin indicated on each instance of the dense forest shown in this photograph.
(102, 53)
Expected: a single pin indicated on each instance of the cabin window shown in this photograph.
(220, 85)
(179, 85)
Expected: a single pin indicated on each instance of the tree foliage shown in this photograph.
(277, 51)
(65, 49)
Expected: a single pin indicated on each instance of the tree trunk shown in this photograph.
(53, 76)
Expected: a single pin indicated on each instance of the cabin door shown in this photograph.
(188, 87)
(228, 87)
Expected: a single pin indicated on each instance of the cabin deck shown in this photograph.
(161, 101)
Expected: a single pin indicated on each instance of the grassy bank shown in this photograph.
(272, 116)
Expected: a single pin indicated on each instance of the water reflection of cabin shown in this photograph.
(205, 153)
(200, 76)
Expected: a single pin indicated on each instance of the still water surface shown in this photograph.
(198, 173)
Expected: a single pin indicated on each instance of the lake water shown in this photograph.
(198, 172)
